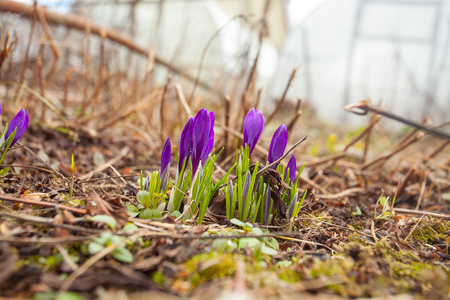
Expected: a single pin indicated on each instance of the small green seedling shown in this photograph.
(357, 212)
(263, 245)
(107, 239)
(148, 206)
(388, 208)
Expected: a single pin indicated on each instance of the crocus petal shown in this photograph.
(278, 143)
(20, 121)
(253, 127)
(166, 153)
(200, 136)
(210, 143)
(185, 143)
(291, 168)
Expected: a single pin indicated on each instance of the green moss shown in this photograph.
(431, 232)
(288, 275)
(208, 266)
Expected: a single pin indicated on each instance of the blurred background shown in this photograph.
(394, 52)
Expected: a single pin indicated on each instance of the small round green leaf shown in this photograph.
(144, 198)
(95, 248)
(122, 254)
(110, 221)
(146, 213)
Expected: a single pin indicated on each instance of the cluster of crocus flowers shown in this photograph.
(197, 139)
(252, 130)
(19, 124)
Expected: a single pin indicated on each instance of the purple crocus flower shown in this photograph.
(165, 164)
(278, 144)
(165, 156)
(197, 139)
(20, 121)
(201, 131)
(291, 168)
(253, 127)
(210, 144)
(185, 144)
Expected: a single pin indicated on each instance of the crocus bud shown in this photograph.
(253, 127)
(291, 169)
(267, 198)
(293, 204)
(185, 144)
(200, 136)
(278, 144)
(231, 187)
(165, 164)
(210, 143)
(246, 187)
(20, 121)
(147, 184)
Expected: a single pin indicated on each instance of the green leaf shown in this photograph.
(176, 214)
(122, 254)
(237, 222)
(129, 227)
(357, 212)
(144, 198)
(224, 245)
(252, 243)
(110, 221)
(257, 231)
(156, 213)
(146, 213)
(69, 296)
(272, 242)
(267, 250)
(133, 211)
(94, 248)
(161, 207)
(383, 200)
(114, 240)
(58, 296)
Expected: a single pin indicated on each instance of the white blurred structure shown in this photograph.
(393, 51)
(181, 30)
